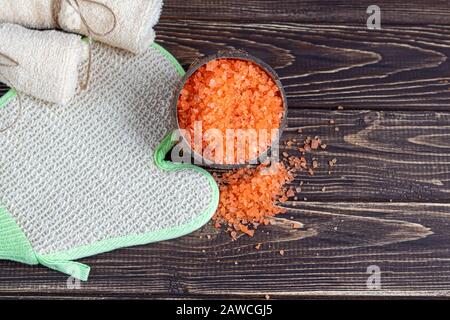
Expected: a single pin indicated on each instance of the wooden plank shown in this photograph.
(381, 156)
(324, 65)
(336, 11)
(326, 57)
(329, 256)
(3, 89)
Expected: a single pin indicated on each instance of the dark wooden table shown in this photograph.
(387, 203)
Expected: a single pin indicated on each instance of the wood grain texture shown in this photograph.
(326, 65)
(387, 200)
(381, 156)
(414, 12)
(3, 88)
(345, 229)
(329, 256)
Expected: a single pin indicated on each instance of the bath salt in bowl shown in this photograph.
(231, 110)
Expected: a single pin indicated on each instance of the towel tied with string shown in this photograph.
(133, 20)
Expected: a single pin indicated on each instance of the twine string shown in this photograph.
(10, 63)
(75, 4)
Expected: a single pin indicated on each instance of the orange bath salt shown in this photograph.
(231, 94)
(248, 196)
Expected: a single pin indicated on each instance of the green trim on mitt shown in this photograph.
(14, 244)
(170, 57)
(6, 97)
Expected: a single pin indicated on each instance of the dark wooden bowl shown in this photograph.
(240, 55)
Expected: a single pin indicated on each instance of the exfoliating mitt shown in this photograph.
(126, 24)
(90, 177)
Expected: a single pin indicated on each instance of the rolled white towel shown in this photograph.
(131, 21)
(47, 61)
(132, 30)
(29, 13)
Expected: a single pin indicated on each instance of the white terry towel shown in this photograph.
(47, 62)
(29, 13)
(134, 19)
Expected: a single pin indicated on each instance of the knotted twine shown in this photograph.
(75, 5)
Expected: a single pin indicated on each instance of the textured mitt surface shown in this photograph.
(75, 175)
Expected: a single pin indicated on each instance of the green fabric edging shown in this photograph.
(14, 245)
(71, 268)
(6, 97)
(170, 57)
